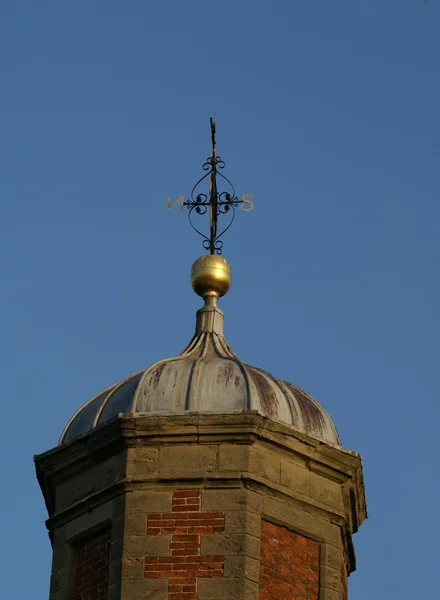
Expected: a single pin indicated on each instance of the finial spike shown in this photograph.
(218, 203)
(213, 132)
(213, 194)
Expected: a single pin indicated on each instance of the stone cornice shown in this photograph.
(127, 431)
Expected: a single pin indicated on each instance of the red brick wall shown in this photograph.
(91, 571)
(289, 565)
(185, 524)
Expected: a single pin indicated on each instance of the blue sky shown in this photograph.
(328, 113)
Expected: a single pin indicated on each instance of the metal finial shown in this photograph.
(218, 203)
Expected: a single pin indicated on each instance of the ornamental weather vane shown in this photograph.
(218, 203)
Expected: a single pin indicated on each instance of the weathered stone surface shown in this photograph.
(234, 457)
(249, 457)
(243, 522)
(111, 470)
(330, 578)
(136, 546)
(331, 557)
(328, 594)
(76, 488)
(142, 462)
(146, 501)
(226, 544)
(135, 523)
(91, 480)
(133, 568)
(237, 499)
(178, 461)
(326, 491)
(144, 589)
(242, 566)
(89, 520)
(227, 589)
(295, 477)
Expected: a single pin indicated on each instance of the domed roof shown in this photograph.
(207, 376)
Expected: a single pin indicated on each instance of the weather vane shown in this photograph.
(217, 203)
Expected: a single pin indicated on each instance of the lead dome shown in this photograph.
(207, 376)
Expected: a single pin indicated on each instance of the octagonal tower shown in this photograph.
(202, 478)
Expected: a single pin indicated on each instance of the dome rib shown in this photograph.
(233, 358)
(204, 346)
(109, 396)
(147, 371)
(80, 412)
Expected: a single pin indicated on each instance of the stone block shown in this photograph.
(138, 546)
(227, 544)
(135, 523)
(142, 462)
(85, 522)
(155, 590)
(295, 477)
(330, 578)
(196, 460)
(235, 500)
(331, 557)
(266, 464)
(146, 589)
(77, 487)
(133, 568)
(112, 470)
(227, 589)
(242, 566)
(89, 481)
(328, 594)
(146, 502)
(250, 458)
(326, 492)
(243, 522)
(234, 457)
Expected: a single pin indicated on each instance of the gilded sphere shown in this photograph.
(211, 275)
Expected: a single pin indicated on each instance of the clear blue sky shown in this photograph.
(328, 112)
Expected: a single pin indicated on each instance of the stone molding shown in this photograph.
(159, 433)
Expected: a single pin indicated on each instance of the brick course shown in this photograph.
(289, 565)
(185, 524)
(92, 564)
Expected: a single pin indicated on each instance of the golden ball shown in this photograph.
(211, 275)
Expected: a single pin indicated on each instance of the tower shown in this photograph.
(202, 477)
